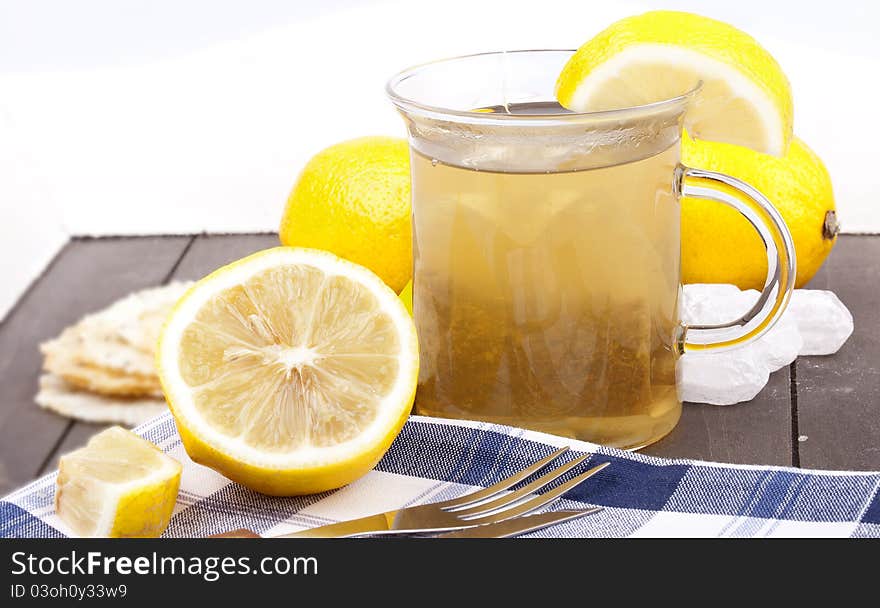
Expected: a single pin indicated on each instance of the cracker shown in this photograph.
(112, 351)
(99, 347)
(58, 396)
(137, 319)
(101, 380)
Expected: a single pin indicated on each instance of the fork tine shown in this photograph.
(481, 495)
(538, 501)
(507, 500)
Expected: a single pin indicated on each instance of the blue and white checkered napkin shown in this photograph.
(435, 459)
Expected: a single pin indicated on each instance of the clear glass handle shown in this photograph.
(781, 268)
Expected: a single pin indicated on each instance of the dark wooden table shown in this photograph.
(821, 412)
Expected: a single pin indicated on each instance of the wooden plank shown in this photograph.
(838, 396)
(754, 432)
(840, 418)
(209, 252)
(206, 253)
(88, 275)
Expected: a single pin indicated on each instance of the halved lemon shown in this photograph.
(290, 371)
(118, 485)
(745, 98)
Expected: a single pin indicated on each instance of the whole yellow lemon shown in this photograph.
(718, 245)
(353, 199)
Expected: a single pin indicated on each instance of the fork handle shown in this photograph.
(237, 533)
(372, 524)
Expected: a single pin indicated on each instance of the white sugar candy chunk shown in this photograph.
(782, 344)
(823, 321)
(816, 323)
(736, 375)
(713, 303)
(722, 378)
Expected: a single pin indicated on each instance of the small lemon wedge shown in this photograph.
(745, 98)
(290, 371)
(118, 485)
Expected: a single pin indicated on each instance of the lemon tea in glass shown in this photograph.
(546, 251)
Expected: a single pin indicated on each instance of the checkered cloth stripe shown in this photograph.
(434, 459)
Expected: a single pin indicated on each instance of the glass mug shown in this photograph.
(546, 249)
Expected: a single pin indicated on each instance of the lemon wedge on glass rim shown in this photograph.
(745, 98)
(290, 371)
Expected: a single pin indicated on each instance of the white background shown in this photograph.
(177, 116)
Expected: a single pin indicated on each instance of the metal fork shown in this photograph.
(488, 506)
